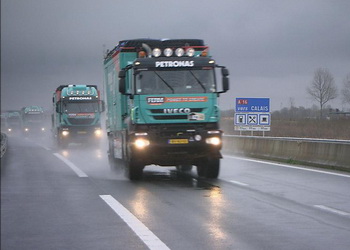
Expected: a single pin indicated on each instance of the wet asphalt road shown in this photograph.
(70, 199)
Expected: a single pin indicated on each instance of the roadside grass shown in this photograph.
(302, 128)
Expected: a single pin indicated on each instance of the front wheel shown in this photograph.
(134, 169)
(209, 168)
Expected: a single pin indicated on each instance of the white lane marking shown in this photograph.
(287, 166)
(48, 149)
(146, 235)
(333, 210)
(77, 170)
(239, 183)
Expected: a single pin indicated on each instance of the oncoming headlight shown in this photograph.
(98, 132)
(65, 133)
(141, 143)
(42, 129)
(213, 141)
(26, 129)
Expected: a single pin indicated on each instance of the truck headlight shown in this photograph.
(26, 129)
(141, 143)
(213, 141)
(65, 133)
(98, 132)
(42, 129)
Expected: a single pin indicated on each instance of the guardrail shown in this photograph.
(317, 152)
(3, 144)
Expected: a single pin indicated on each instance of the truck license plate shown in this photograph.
(178, 141)
(82, 132)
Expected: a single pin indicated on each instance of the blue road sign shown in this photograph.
(253, 105)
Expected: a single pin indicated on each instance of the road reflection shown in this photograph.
(140, 203)
(216, 214)
(213, 203)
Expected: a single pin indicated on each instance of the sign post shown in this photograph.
(252, 114)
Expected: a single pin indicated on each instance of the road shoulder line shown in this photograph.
(287, 166)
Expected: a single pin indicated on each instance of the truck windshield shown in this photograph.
(13, 120)
(78, 107)
(175, 81)
(34, 118)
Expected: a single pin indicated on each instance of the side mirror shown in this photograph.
(58, 107)
(122, 74)
(225, 84)
(225, 72)
(122, 87)
(102, 106)
(225, 80)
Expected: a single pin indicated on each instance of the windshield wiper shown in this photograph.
(199, 82)
(155, 72)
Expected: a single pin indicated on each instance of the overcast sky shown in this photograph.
(270, 47)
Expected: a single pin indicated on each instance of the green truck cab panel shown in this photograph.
(176, 108)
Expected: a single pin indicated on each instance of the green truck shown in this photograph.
(162, 106)
(13, 122)
(33, 120)
(77, 114)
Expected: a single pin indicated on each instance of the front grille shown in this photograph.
(87, 121)
(161, 111)
(170, 117)
(159, 114)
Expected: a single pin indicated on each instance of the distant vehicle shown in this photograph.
(162, 106)
(4, 123)
(33, 120)
(13, 121)
(77, 114)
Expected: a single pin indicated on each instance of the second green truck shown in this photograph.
(162, 106)
(77, 114)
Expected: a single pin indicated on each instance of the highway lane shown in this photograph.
(253, 205)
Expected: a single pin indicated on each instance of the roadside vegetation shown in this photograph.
(298, 122)
(319, 121)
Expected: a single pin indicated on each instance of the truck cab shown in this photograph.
(33, 121)
(77, 114)
(162, 105)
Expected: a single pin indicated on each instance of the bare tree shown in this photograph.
(322, 88)
(346, 89)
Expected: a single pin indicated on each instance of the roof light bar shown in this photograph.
(156, 52)
(168, 52)
(190, 52)
(179, 52)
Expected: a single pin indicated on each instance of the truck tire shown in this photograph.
(134, 170)
(208, 168)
